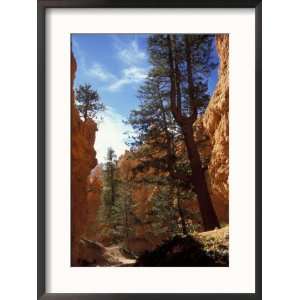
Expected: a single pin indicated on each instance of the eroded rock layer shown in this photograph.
(83, 157)
(216, 124)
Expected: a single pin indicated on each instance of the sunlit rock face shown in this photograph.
(83, 158)
(216, 124)
(142, 238)
(94, 192)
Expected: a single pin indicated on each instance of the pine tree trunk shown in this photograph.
(209, 217)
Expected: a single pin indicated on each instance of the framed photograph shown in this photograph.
(149, 149)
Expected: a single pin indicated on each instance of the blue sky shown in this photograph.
(115, 65)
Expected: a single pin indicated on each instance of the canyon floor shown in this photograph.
(198, 250)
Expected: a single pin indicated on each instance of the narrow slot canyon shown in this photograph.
(141, 202)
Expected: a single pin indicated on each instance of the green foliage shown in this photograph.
(200, 47)
(118, 207)
(110, 181)
(88, 102)
(157, 133)
(158, 145)
(163, 213)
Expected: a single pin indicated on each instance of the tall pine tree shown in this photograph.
(174, 95)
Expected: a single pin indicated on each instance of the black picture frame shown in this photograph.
(43, 5)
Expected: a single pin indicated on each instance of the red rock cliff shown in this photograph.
(83, 158)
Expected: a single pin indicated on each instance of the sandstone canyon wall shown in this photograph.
(83, 158)
(144, 236)
(216, 124)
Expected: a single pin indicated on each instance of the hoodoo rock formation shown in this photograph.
(216, 124)
(84, 160)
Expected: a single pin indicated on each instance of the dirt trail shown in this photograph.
(118, 257)
(95, 254)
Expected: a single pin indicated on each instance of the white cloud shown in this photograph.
(131, 54)
(129, 75)
(135, 73)
(118, 84)
(111, 134)
(100, 73)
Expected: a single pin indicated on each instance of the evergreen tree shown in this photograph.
(88, 102)
(110, 181)
(173, 96)
(118, 207)
(157, 134)
(187, 62)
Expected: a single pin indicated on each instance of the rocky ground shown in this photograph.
(94, 254)
(207, 249)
